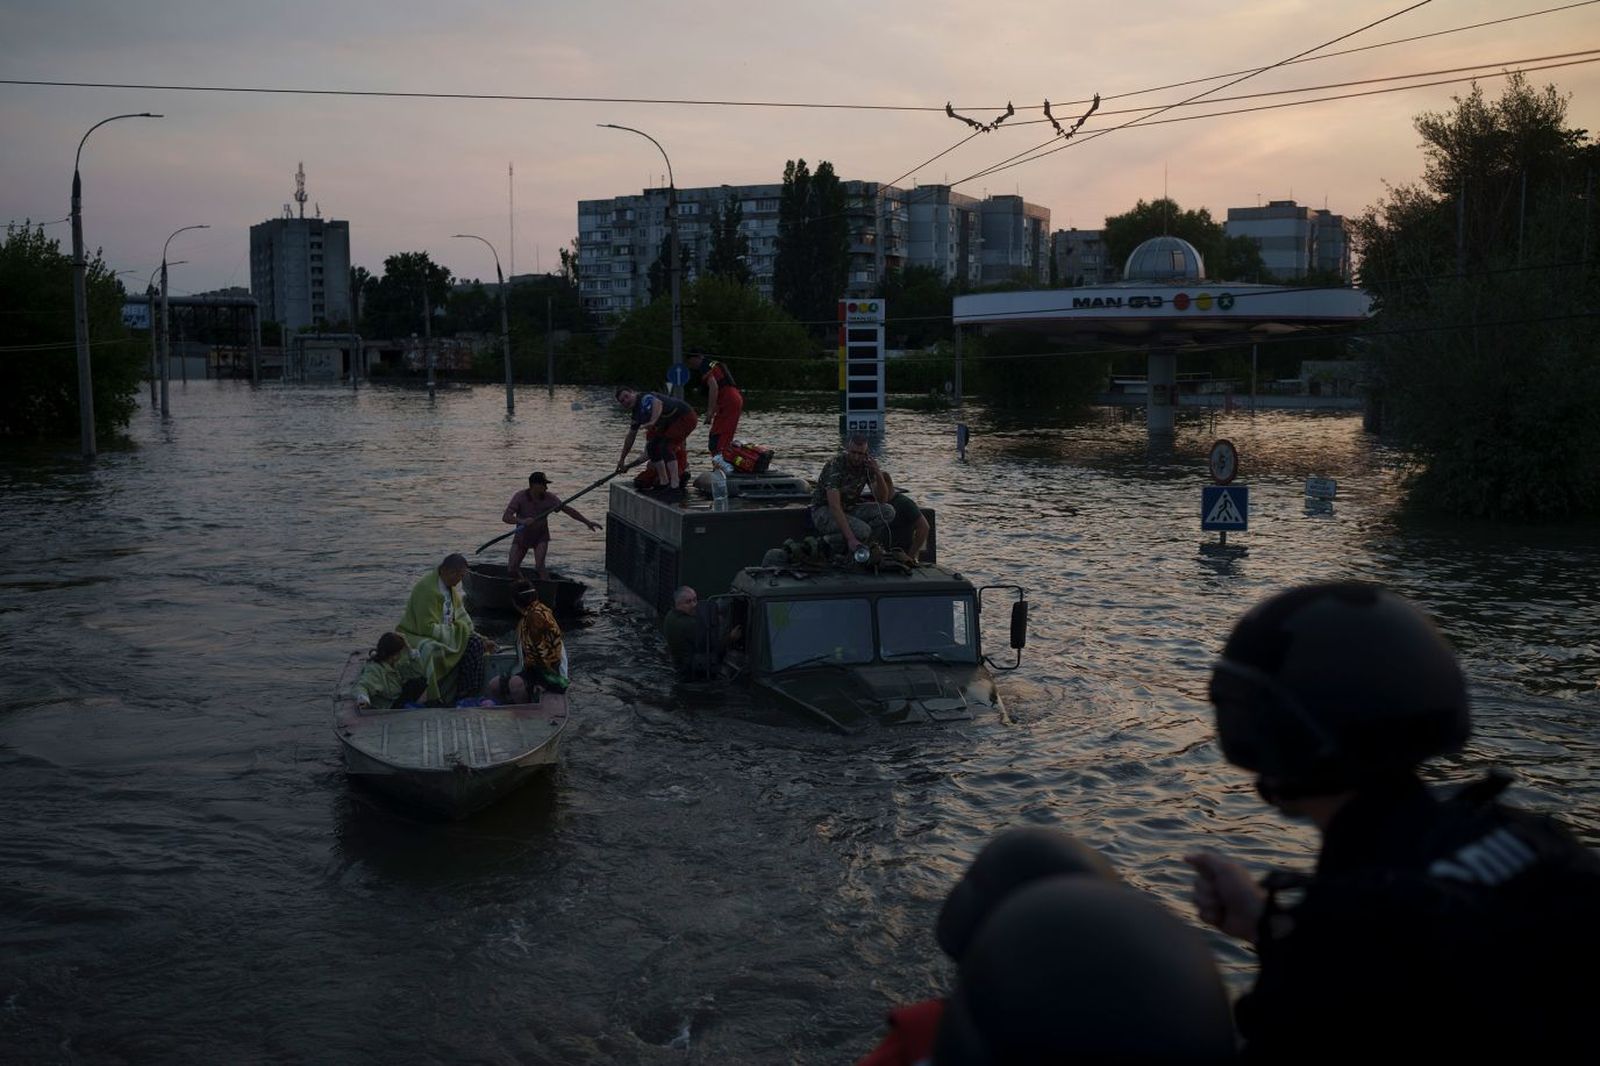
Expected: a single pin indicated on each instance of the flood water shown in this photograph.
(186, 875)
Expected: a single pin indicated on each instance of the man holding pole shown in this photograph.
(530, 510)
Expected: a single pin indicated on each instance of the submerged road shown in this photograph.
(186, 875)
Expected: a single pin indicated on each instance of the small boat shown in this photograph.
(488, 591)
(450, 761)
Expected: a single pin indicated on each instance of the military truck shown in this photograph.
(842, 643)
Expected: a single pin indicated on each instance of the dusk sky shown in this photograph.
(407, 173)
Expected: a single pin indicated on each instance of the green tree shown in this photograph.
(569, 264)
(919, 306)
(767, 347)
(1487, 362)
(40, 399)
(660, 271)
(812, 267)
(393, 304)
(730, 246)
(1226, 258)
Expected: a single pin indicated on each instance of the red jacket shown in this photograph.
(910, 1039)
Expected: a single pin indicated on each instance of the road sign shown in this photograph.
(1225, 507)
(136, 314)
(1321, 488)
(678, 374)
(1224, 461)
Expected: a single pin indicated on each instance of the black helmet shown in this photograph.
(1324, 687)
(1076, 969)
(1012, 859)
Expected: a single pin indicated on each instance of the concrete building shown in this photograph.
(890, 228)
(300, 271)
(1293, 239)
(1016, 240)
(945, 233)
(1081, 257)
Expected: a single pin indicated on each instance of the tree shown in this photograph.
(660, 272)
(393, 304)
(812, 267)
(729, 320)
(730, 246)
(40, 399)
(1487, 367)
(569, 264)
(1226, 258)
(919, 306)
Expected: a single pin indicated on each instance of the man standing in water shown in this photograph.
(530, 510)
(1434, 928)
(666, 422)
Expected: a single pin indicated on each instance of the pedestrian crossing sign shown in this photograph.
(1225, 507)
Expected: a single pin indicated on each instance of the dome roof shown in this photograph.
(1165, 259)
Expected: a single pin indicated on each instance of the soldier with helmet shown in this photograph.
(1445, 926)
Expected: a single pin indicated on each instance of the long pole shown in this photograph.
(676, 270)
(166, 342)
(549, 348)
(80, 295)
(427, 336)
(150, 296)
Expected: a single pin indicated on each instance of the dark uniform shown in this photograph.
(1433, 929)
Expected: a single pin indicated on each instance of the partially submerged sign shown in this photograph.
(136, 314)
(1225, 507)
(1321, 488)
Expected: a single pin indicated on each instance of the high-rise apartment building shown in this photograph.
(300, 271)
(1293, 239)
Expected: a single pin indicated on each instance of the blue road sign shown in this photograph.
(1225, 507)
(677, 374)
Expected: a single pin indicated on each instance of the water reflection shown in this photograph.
(696, 869)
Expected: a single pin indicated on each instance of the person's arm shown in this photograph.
(881, 490)
(511, 518)
(711, 394)
(836, 505)
(572, 512)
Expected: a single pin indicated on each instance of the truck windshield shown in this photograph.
(806, 631)
(928, 627)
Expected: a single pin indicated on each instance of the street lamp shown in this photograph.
(166, 337)
(672, 222)
(80, 294)
(505, 322)
(150, 298)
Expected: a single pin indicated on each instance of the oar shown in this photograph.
(587, 488)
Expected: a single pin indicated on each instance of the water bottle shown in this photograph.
(719, 489)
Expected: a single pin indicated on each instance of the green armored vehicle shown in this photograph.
(845, 644)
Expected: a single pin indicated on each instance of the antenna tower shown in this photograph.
(300, 189)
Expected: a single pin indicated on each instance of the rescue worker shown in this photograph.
(666, 422)
(724, 401)
(1012, 859)
(1435, 927)
(530, 510)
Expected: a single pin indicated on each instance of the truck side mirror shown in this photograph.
(1019, 624)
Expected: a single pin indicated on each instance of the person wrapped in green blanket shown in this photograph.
(437, 625)
(391, 677)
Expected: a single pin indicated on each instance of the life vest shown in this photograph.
(671, 408)
(718, 371)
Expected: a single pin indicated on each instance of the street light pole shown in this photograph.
(166, 334)
(80, 295)
(676, 269)
(505, 321)
(150, 296)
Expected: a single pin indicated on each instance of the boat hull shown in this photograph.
(488, 591)
(453, 762)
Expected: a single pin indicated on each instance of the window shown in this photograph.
(688, 209)
(817, 631)
(928, 627)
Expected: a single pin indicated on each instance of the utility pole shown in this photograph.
(505, 322)
(427, 335)
(672, 224)
(549, 348)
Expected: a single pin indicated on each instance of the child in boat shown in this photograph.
(541, 655)
(391, 677)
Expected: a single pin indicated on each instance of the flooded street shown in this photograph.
(188, 876)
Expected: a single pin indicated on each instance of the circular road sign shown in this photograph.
(1224, 461)
(677, 374)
